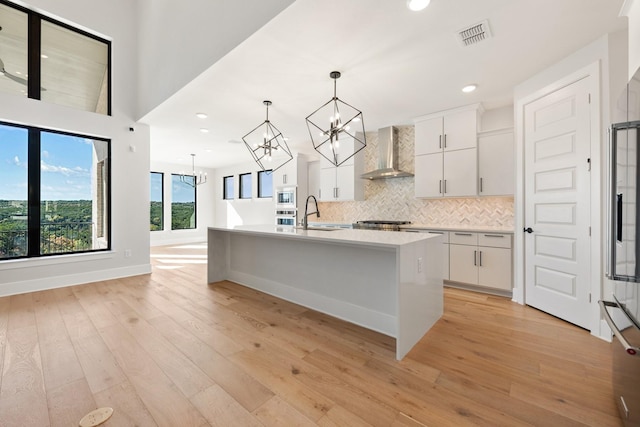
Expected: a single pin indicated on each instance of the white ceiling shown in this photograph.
(395, 64)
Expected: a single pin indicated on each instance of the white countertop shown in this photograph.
(456, 227)
(460, 227)
(348, 236)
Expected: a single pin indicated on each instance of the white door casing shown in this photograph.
(557, 147)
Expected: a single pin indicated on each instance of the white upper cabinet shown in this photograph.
(496, 173)
(447, 131)
(292, 173)
(446, 162)
(342, 183)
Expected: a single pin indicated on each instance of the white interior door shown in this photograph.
(557, 140)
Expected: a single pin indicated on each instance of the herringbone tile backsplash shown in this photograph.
(394, 199)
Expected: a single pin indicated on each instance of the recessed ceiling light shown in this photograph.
(44, 56)
(417, 5)
(469, 88)
(201, 115)
(204, 130)
(208, 150)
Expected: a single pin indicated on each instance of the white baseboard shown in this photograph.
(43, 284)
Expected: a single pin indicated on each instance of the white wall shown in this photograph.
(117, 21)
(498, 118)
(631, 9)
(205, 196)
(246, 211)
(180, 40)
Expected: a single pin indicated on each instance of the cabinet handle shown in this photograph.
(480, 259)
(440, 187)
(337, 192)
(440, 141)
(481, 185)
(474, 257)
(445, 140)
(494, 235)
(445, 183)
(284, 178)
(463, 234)
(435, 232)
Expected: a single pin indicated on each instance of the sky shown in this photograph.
(65, 165)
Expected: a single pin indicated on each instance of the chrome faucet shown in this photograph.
(305, 221)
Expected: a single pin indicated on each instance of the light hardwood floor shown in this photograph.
(167, 349)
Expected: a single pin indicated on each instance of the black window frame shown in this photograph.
(34, 199)
(34, 44)
(225, 196)
(161, 202)
(195, 204)
(241, 185)
(262, 173)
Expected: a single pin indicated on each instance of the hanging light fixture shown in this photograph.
(336, 128)
(194, 179)
(267, 145)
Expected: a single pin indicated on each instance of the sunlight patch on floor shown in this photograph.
(191, 246)
(182, 261)
(178, 256)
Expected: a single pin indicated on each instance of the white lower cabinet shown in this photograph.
(481, 259)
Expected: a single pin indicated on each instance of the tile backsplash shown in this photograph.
(394, 199)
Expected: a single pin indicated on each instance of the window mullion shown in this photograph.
(33, 59)
(33, 174)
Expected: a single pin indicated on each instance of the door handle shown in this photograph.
(631, 350)
(528, 230)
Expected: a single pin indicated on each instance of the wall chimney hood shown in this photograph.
(387, 156)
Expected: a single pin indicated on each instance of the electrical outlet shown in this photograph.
(127, 253)
(420, 265)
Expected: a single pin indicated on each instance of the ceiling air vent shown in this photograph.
(474, 34)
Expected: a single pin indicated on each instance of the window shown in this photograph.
(227, 188)
(156, 197)
(245, 186)
(54, 62)
(265, 183)
(183, 202)
(54, 192)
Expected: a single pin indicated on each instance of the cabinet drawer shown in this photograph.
(463, 238)
(444, 234)
(494, 240)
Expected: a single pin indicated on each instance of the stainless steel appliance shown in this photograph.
(286, 196)
(623, 263)
(372, 224)
(286, 208)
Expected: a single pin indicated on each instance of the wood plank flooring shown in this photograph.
(167, 349)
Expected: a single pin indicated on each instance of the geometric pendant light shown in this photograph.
(336, 128)
(267, 145)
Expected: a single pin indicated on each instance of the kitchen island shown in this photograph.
(390, 282)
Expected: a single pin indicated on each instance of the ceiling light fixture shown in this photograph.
(267, 145)
(201, 115)
(416, 5)
(469, 88)
(344, 122)
(193, 180)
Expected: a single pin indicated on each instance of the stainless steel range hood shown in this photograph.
(387, 156)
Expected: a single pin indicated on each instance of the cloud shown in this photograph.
(16, 161)
(45, 167)
(45, 154)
